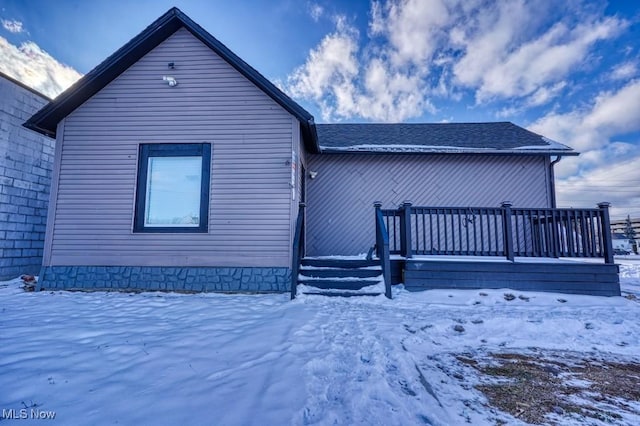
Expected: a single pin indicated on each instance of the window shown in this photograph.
(173, 188)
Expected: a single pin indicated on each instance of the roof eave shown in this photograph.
(45, 132)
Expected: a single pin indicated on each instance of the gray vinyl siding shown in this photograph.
(251, 140)
(295, 192)
(340, 217)
(302, 164)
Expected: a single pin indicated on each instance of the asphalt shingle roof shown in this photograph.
(435, 137)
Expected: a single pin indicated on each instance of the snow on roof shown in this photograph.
(450, 138)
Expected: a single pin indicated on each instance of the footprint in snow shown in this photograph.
(410, 329)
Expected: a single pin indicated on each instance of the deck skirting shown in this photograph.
(160, 278)
(559, 277)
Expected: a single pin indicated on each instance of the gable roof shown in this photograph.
(437, 138)
(46, 120)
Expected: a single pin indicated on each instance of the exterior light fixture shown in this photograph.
(171, 81)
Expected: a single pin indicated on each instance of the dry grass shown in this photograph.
(546, 387)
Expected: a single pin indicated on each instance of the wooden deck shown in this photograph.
(528, 249)
(554, 275)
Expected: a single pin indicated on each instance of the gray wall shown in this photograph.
(26, 160)
(340, 217)
(252, 138)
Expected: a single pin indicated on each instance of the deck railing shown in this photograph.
(298, 250)
(499, 231)
(382, 248)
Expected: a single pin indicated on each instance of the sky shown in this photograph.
(568, 70)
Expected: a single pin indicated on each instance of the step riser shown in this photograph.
(340, 273)
(338, 285)
(325, 293)
(340, 263)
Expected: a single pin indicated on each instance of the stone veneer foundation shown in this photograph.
(160, 278)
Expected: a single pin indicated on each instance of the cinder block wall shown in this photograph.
(26, 161)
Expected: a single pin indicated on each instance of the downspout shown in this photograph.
(552, 181)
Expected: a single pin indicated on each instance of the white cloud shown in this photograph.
(499, 64)
(328, 74)
(414, 29)
(616, 182)
(610, 114)
(419, 50)
(624, 71)
(545, 93)
(344, 87)
(36, 68)
(316, 11)
(607, 169)
(508, 111)
(617, 112)
(12, 26)
(378, 82)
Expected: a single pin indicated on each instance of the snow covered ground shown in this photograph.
(163, 358)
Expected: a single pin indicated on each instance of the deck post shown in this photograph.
(405, 230)
(606, 233)
(377, 206)
(382, 248)
(508, 231)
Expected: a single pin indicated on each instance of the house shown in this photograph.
(618, 230)
(180, 167)
(619, 226)
(621, 244)
(26, 161)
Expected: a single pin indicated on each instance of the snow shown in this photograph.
(343, 279)
(328, 268)
(555, 144)
(377, 288)
(165, 358)
(361, 256)
(552, 147)
(500, 259)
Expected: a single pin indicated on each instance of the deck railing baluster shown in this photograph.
(585, 234)
(516, 235)
(593, 235)
(482, 213)
(467, 223)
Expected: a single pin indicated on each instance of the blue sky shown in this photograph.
(569, 70)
